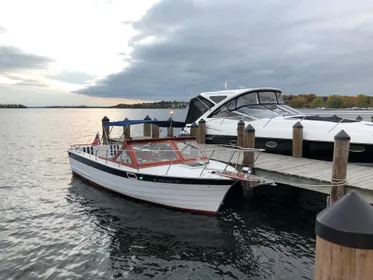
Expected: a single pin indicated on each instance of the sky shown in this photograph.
(104, 52)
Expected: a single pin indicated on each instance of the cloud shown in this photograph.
(20, 81)
(74, 77)
(14, 59)
(184, 47)
(2, 30)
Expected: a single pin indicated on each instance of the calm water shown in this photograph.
(53, 226)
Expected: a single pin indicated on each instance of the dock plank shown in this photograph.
(292, 170)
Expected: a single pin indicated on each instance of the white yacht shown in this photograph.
(273, 122)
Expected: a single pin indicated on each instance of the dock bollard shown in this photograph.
(105, 130)
(194, 130)
(147, 127)
(201, 139)
(339, 168)
(127, 130)
(155, 130)
(240, 133)
(249, 142)
(344, 240)
(359, 118)
(297, 140)
(170, 129)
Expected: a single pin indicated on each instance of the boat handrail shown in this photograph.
(202, 150)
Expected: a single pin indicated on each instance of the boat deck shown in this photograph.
(305, 173)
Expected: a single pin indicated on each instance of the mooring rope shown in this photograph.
(334, 183)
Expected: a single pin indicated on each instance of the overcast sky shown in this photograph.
(109, 51)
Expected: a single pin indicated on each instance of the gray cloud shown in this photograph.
(13, 59)
(289, 44)
(2, 30)
(74, 77)
(24, 81)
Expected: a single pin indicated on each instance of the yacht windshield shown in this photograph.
(254, 105)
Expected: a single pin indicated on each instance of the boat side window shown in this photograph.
(280, 100)
(267, 97)
(124, 157)
(247, 99)
(189, 150)
(218, 98)
(154, 152)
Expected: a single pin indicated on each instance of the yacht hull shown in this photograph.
(320, 150)
(275, 136)
(192, 194)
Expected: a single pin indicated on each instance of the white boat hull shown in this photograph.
(171, 192)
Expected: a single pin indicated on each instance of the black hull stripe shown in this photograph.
(150, 178)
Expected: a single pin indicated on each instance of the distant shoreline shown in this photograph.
(95, 107)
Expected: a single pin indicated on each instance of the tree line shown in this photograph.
(12, 106)
(332, 101)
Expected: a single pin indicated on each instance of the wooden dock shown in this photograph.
(305, 173)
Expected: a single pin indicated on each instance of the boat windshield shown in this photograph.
(253, 105)
(154, 152)
(189, 149)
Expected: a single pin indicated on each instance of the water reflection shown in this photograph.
(147, 240)
(143, 236)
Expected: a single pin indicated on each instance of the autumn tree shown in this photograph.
(317, 102)
(362, 101)
(298, 102)
(335, 101)
(348, 101)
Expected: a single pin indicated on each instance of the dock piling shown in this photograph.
(339, 167)
(127, 130)
(170, 129)
(359, 118)
(249, 142)
(147, 127)
(344, 240)
(201, 139)
(194, 130)
(240, 133)
(155, 130)
(297, 140)
(105, 130)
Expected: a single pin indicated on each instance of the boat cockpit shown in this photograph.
(250, 105)
(141, 153)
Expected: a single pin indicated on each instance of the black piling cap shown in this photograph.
(194, 125)
(202, 121)
(126, 119)
(297, 125)
(105, 119)
(359, 118)
(241, 122)
(250, 128)
(342, 135)
(147, 118)
(348, 222)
